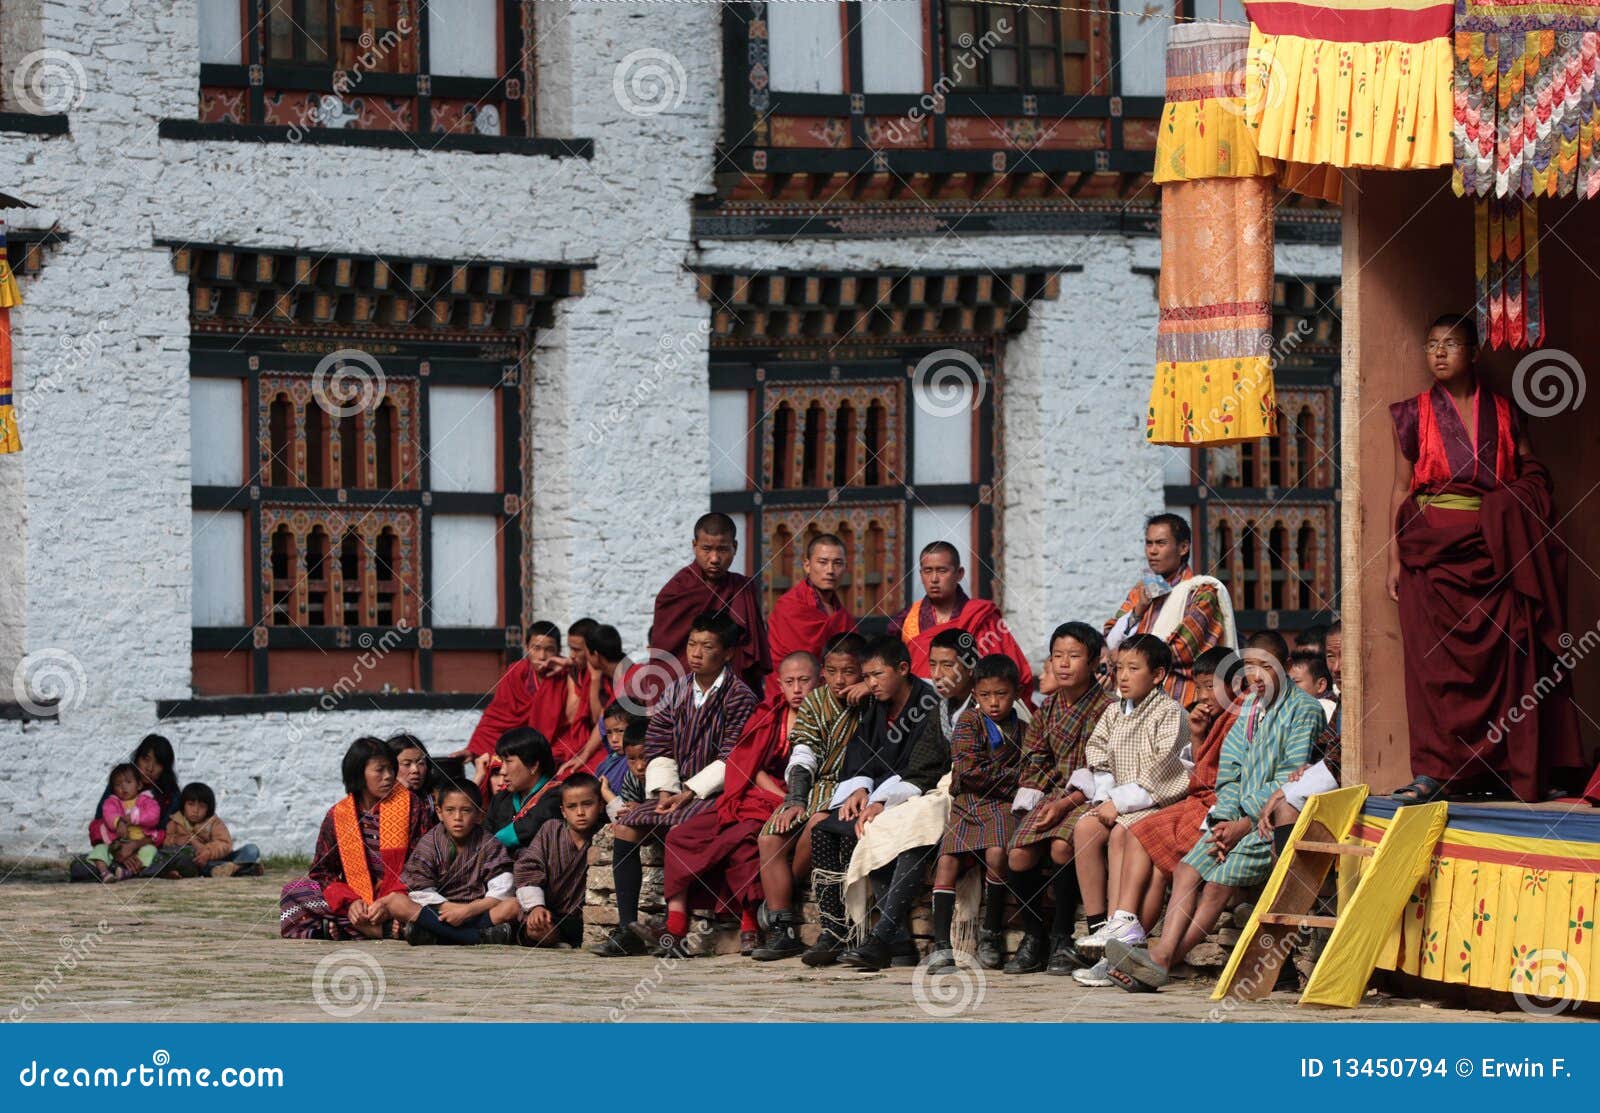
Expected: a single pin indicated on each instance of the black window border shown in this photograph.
(243, 359)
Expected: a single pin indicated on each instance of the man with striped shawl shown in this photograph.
(1190, 613)
(697, 724)
(1053, 749)
(1271, 739)
(823, 727)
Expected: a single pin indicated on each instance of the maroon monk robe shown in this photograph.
(1481, 610)
(714, 857)
(918, 624)
(688, 594)
(521, 699)
(802, 621)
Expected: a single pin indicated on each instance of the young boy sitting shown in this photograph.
(986, 755)
(632, 790)
(1162, 838)
(700, 719)
(552, 874)
(196, 824)
(1132, 769)
(1054, 748)
(457, 880)
(527, 764)
(614, 769)
(1270, 740)
(1309, 670)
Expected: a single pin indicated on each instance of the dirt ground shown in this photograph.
(208, 950)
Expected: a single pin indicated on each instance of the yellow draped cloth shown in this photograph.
(1213, 381)
(10, 439)
(1352, 83)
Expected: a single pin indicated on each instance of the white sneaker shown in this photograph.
(1129, 931)
(1096, 977)
(1096, 940)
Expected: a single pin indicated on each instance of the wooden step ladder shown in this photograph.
(1321, 837)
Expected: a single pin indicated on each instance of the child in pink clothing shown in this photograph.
(123, 832)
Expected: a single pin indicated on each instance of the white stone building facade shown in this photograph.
(106, 571)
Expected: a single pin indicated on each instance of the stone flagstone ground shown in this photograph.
(208, 950)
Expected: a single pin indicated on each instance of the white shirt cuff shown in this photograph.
(614, 807)
(708, 782)
(1186, 756)
(499, 886)
(895, 790)
(530, 897)
(1121, 629)
(1026, 799)
(1083, 781)
(802, 756)
(1130, 798)
(426, 897)
(847, 788)
(661, 775)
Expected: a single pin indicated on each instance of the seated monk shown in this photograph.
(1481, 584)
(709, 584)
(811, 612)
(714, 858)
(945, 606)
(532, 693)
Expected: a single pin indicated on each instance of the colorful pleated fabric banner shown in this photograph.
(1352, 83)
(1506, 266)
(1508, 902)
(1526, 110)
(1213, 382)
(10, 438)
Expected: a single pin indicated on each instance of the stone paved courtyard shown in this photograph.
(208, 950)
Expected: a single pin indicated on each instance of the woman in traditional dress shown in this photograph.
(1481, 582)
(361, 850)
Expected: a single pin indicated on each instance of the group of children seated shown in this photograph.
(861, 777)
(144, 826)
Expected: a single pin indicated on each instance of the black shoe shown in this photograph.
(1064, 957)
(782, 941)
(825, 951)
(621, 943)
(874, 954)
(419, 936)
(669, 946)
(500, 935)
(1033, 955)
(904, 953)
(991, 949)
(942, 960)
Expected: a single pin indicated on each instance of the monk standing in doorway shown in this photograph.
(1481, 583)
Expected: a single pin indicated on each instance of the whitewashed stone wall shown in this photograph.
(95, 526)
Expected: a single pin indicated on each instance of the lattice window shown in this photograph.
(1004, 47)
(1267, 514)
(357, 64)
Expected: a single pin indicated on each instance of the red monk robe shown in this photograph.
(917, 625)
(689, 594)
(578, 727)
(1482, 611)
(522, 699)
(803, 620)
(713, 857)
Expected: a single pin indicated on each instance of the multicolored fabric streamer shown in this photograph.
(1526, 112)
(1213, 382)
(10, 438)
(1509, 305)
(1351, 83)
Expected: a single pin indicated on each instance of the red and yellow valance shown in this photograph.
(1352, 83)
